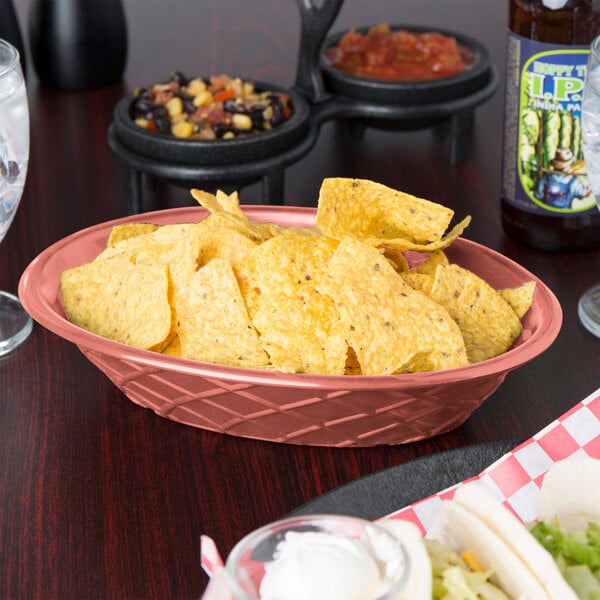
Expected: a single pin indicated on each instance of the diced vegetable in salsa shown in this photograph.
(398, 55)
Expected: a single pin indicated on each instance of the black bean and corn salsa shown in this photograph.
(220, 107)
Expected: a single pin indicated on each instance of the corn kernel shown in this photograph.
(195, 86)
(203, 98)
(472, 562)
(228, 135)
(142, 123)
(240, 121)
(178, 118)
(182, 129)
(174, 106)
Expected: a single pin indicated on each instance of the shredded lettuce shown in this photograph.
(577, 555)
(583, 582)
(453, 580)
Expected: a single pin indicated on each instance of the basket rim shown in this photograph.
(34, 292)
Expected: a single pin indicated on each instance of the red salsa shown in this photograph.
(398, 55)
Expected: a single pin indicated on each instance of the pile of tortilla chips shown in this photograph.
(334, 299)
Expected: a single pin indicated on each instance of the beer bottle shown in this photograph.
(546, 201)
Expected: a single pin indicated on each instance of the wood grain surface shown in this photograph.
(100, 498)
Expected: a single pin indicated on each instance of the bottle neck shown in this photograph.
(570, 22)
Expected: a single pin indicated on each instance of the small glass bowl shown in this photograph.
(255, 554)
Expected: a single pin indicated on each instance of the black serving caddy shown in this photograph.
(320, 93)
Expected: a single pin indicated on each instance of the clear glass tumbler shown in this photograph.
(15, 323)
(319, 557)
(589, 303)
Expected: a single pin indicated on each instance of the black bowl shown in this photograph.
(473, 78)
(254, 147)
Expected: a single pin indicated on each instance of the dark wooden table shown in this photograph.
(103, 499)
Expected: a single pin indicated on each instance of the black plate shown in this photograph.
(386, 491)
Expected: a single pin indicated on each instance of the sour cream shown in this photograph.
(325, 566)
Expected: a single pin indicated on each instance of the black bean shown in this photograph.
(221, 129)
(256, 114)
(188, 105)
(143, 94)
(140, 108)
(159, 111)
(233, 106)
(179, 78)
(277, 117)
(275, 100)
(163, 124)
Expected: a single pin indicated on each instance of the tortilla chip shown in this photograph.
(396, 258)
(404, 245)
(421, 277)
(119, 300)
(126, 245)
(171, 233)
(302, 333)
(221, 216)
(429, 265)
(174, 347)
(488, 324)
(288, 265)
(179, 253)
(229, 202)
(419, 281)
(338, 298)
(123, 232)
(393, 328)
(364, 209)
(299, 327)
(520, 298)
(213, 324)
(128, 238)
(224, 242)
(208, 201)
(352, 364)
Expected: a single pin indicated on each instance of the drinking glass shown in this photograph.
(589, 303)
(327, 563)
(15, 323)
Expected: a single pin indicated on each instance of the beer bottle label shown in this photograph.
(543, 170)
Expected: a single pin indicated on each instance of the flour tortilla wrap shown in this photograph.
(419, 584)
(570, 494)
(481, 502)
(461, 529)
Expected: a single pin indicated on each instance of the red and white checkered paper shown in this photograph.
(515, 478)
